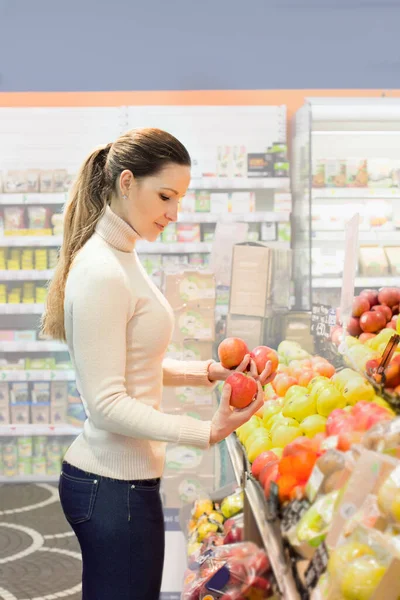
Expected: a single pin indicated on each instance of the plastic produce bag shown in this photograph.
(233, 529)
(231, 572)
(233, 504)
(384, 437)
(313, 526)
(363, 567)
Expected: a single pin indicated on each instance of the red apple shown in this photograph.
(395, 309)
(391, 325)
(300, 444)
(364, 337)
(372, 321)
(244, 388)
(392, 373)
(260, 462)
(353, 326)
(371, 365)
(231, 352)
(389, 296)
(268, 468)
(305, 377)
(261, 355)
(371, 295)
(272, 476)
(337, 335)
(325, 369)
(360, 305)
(384, 309)
(283, 384)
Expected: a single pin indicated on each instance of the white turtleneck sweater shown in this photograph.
(118, 327)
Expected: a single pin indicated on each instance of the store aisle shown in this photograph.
(39, 555)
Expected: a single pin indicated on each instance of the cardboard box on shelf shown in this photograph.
(199, 400)
(373, 262)
(185, 460)
(190, 288)
(178, 490)
(250, 329)
(194, 323)
(40, 413)
(4, 415)
(261, 280)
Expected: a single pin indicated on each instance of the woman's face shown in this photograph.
(152, 202)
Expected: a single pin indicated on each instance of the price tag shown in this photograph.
(273, 504)
(317, 566)
(293, 512)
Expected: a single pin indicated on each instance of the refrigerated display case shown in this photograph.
(345, 161)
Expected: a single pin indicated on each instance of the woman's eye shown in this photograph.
(163, 197)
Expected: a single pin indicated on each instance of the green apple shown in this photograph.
(258, 434)
(257, 447)
(280, 420)
(277, 451)
(294, 391)
(271, 408)
(356, 390)
(361, 578)
(313, 425)
(317, 381)
(328, 400)
(299, 407)
(344, 555)
(284, 435)
(245, 430)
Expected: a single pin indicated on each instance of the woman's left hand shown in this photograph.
(216, 372)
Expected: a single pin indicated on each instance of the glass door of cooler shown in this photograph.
(355, 168)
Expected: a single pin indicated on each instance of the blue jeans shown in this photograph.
(120, 529)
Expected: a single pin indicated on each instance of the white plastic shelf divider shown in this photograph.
(356, 193)
(25, 275)
(239, 183)
(33, 198)
(37, 375)
(39, 346)
(36, 430)
(373, 282)
(21, 309)
(48, 241)
(252, 217)
(30, 479)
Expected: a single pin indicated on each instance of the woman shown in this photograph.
(117, 326)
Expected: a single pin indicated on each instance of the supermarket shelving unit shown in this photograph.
(342, 131)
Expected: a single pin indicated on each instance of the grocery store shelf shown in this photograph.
(25, 275)
(35, 198)
(272, 540)
(38, 346)
(52, 241)
(30, 479)
(360, 282)
(174, 248)
(237, 457)
(21, 309)
(355, 193)
(37, 375)
(239, 183)
(35, 430)
(251, 217)
(384, 238)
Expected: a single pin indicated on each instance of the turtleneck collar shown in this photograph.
(116, 231)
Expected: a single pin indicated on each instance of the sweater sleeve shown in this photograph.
(101, 308)
(186, 373)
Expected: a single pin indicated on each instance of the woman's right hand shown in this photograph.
(227, 419)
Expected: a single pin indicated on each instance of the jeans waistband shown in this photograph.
(71, 469)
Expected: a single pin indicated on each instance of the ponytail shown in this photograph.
(85, 208)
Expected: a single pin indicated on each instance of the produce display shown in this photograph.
(374, 321)
(220, 563)
(324, 450)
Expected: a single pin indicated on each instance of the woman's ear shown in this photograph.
(126, 180)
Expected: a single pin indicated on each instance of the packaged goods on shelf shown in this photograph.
(180, 489)
(182, 399)
(242, 202)
(393, 257)
(373, 261)
(219, 203)
(35, 181)
(183, 459)
(335, 173)
(202, 202)
(188, 233)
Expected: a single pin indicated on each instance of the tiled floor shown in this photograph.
(39, 555)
